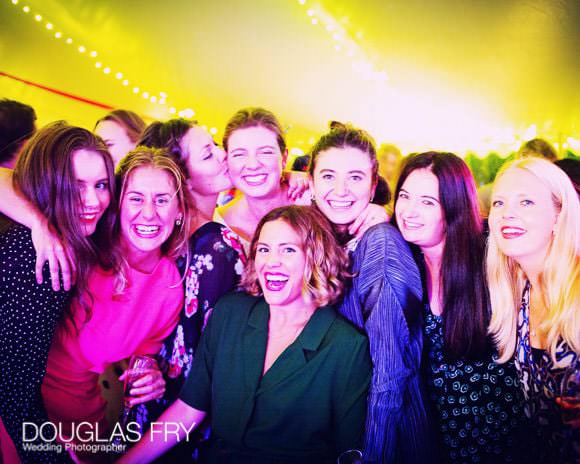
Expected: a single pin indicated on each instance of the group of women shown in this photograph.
(445, 350)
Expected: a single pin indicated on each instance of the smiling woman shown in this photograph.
(284, 377)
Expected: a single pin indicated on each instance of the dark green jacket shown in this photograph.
(309, 406)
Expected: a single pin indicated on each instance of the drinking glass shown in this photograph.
(139, 365)
(352, 456)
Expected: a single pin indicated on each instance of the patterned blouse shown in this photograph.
(477, 403)
(215, 266)
(541, 382)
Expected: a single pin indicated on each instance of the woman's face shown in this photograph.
(522, 217)
(418, 210)
(149, 209)
(255, 161)
(92, 179)
(342, 183)
(206, 162)
(280, 262)
(116, 139)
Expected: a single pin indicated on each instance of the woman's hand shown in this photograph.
(371, 215)
(49, 247)
(297, 184)
(150, 386)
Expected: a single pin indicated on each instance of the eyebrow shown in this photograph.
(135, 192)
(422, 196)
(355, 171)
(104, 179)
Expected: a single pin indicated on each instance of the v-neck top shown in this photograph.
(308, 407)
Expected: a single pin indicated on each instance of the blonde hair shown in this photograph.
(559, 280)
(325, 272)
(158, 158)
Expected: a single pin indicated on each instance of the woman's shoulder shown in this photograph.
(15, 242)
(383, 232)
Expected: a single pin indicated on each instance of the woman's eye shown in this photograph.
(327, 176)
(262, 249)
(356, 178)
(527, 203)
(428, 202)
(161, 201)
(136, 199)
(403, 195)
(289, 250)
(102, 186)
(496, 203)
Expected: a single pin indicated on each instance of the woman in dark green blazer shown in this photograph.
(284, 377)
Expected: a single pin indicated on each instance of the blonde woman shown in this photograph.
(533, 269)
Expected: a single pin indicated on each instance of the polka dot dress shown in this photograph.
(476, 403)
(28, 316)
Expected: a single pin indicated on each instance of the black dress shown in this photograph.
(477, 403)
(28, 316)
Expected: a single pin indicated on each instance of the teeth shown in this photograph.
(147, 229)
(276, 278)
(340, 204)
(256, 179)
(513, 230)
(412, 225)
(89, 216)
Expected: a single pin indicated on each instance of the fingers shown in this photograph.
(53, 266)
(147, 388)
(355, 226)
(65, 269)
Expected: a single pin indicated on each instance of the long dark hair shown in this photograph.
(465, 296)
(44, 173)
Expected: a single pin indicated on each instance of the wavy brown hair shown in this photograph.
(131, 122)
(326, 271)
(45, 174)
(255, 117)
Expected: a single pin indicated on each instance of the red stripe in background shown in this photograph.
(58, 92)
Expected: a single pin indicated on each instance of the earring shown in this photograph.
(178, 221)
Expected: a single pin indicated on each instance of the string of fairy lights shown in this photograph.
(344, 42)
(158, 98)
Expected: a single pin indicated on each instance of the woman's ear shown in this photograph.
(284, 159)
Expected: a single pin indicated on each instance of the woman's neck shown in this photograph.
(142, 261)
(259, 207)
(298, 313)
(433, 259)
(205, 208)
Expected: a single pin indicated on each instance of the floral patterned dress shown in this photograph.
(215, 267)
(550, 439)
(477, 403)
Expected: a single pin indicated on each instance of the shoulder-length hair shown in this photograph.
(465, 297)
(131, 122)
(45, 174)
(325, 274)
(177, 243)
(559, 280)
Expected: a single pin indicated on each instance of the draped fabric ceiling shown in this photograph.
(443, 74)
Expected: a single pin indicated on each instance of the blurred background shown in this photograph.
(474, 77)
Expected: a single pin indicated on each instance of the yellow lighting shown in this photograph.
(135, 89)
(125, 82)
(172, 110)
(145, 94)
(314, 21)
(163, 94)
(302, 2)
(93, 54)
(337, 47)
(58, 35)
(162, 101)
(15, 2)
(69, 41)
(38, 17)
(119, 75)
(26, 9)
(310, 12)
(153, 99)
(82, 49)
(49, 26)
(98, 64)
(107, 70)
(213, 131)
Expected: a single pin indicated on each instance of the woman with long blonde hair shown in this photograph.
(533, 269)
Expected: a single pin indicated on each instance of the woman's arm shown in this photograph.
(46, 242)
(181, 418)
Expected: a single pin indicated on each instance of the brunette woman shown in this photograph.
(66, 174)
(476, 401)
(284, 377)
(120, 130)
(384, 300)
